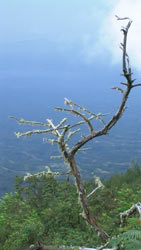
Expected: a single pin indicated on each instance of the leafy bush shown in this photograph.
(130, 240)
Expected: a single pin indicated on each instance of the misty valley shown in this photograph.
(105, 156)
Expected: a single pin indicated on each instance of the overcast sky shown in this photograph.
(72, 47)
(79, 31)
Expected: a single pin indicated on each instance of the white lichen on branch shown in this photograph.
(63, 132)
(38, 175)
(130, 211)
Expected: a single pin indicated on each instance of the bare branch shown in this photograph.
(62, 144)
(122, 18)
(123, 83)
(83, 149)
(61, 131)
(127, 72)
(85, 119)
(77, 113)
(56, 157)
(47, 173)
(100, 185)
(52, 141)
(136, 85)
(71, 133)
(33, 123)
(53, 126)
(117, 88)
(97, 116)
(128, 76)
(131, 210)
(33, 132)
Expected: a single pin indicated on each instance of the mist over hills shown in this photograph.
(34, 96)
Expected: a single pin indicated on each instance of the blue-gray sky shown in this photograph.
(62, 32)
(51, 49)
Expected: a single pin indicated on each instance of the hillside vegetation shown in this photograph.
(47, 211)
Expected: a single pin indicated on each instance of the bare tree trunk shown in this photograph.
(62, 133)
(84, 201)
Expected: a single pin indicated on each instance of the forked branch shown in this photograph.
(127, 73)
(63, 132)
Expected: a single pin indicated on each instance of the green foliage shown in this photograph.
(129, 240)
(47, 210)
(19, 223)
(30, 231)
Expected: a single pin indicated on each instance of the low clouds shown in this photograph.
(87, 28)
(110, 35)
(106, 39)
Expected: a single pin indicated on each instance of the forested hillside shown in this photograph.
(44, 210)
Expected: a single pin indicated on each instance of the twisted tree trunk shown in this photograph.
(84, 201)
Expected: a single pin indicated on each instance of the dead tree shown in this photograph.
(134, 208)
(62, 133)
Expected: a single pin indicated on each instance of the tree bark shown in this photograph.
(84, 201)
